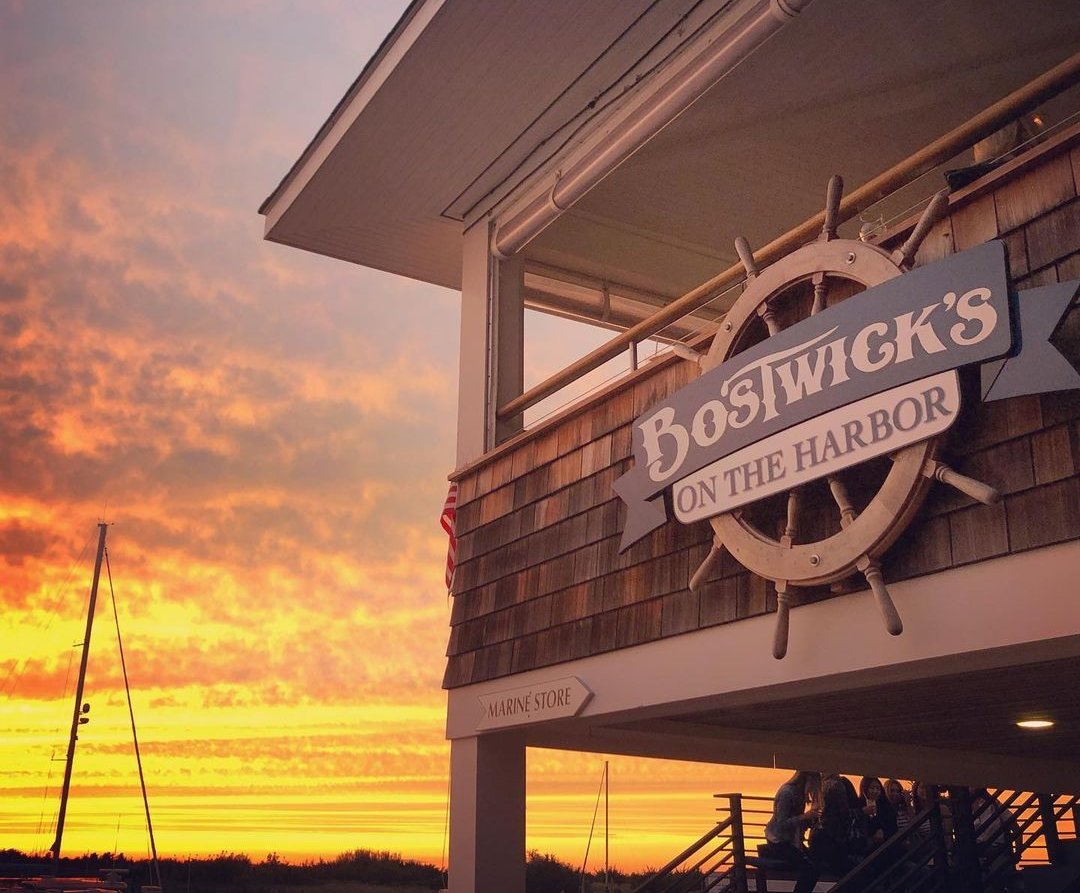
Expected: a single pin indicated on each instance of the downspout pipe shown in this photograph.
(710, 65)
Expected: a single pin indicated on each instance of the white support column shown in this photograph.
(473, 361)
(491, 366)
(508, 307)
(487, 814)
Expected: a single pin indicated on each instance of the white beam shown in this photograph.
(472, 426)
(508, 349)
(487, 814)
(491, 364)
(1009, 610)
(701, 743)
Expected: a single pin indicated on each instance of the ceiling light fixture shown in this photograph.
(1035, 723)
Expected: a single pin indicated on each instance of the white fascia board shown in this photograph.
(699, 743)
(1018, 607)
(286, 194)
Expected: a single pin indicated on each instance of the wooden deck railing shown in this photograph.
(955, 844)
(714, 862)
(915, 858)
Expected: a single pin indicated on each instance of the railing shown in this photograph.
(756, 812)
(913, 859)
(989, 839)
(960, 842)
(1021, 829)
(1053, 82)
(715, 863)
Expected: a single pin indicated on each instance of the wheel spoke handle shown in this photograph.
(780, 633)
(832, 207)
(746, 255)
(931, 215)
(889, 615)
(977, 490)
(706, 567)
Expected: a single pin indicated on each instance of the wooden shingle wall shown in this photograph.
(540, 579)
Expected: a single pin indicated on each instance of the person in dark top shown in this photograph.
(836, 838)
(923, 795)
(790, 819)
(839, 842)
(899, 802)
(879, 810)
(860, 818)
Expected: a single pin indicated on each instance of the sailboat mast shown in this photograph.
(76, 715)
(607, 869)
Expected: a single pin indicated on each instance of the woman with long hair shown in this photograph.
(839, 842)
(879, 811)
(790, 819)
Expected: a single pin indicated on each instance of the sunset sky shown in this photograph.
(268, 432)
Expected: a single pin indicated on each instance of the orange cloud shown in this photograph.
(270, 434)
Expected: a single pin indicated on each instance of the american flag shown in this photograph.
(448, 520)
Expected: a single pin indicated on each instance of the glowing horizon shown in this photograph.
(269, 433)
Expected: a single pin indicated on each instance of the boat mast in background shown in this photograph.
(77, 719)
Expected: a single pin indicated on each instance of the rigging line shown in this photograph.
(44, 803)
(51, 828)
(592, 826)
(15, 672)
(131, 712)
(446, 820)
(67, 679)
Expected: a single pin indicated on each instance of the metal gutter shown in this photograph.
(711, 64)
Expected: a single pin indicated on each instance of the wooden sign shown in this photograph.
(553, 699)
(820, 447)
(938, 318)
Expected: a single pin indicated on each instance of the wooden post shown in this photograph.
(967, 854)
(1050, 829)
(940, 864)
(738, 845)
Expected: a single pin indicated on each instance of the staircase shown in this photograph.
(1061, 877)
(715, 863)
(1046, 841)
(1003, 842)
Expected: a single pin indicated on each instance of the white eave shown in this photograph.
(394, 46)
(456, 103)
(472, 108)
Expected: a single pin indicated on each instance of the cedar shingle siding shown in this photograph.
(540, 580)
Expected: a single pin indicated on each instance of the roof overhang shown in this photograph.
(470, 111)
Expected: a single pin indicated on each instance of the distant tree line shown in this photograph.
(358, 871)
(237, 872)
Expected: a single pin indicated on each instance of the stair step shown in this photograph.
(1061, 878)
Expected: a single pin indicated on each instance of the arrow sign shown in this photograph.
(553, 699)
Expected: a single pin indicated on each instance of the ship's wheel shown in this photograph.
(783, 538)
